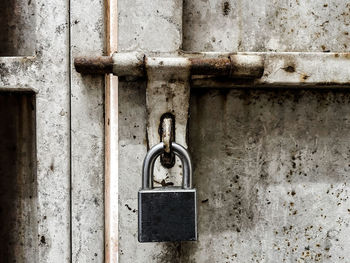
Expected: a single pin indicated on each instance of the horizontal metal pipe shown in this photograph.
(252, 69)
(210, 66)
(134, 64)
(94, 65)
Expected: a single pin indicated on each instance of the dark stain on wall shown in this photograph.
(226, 8)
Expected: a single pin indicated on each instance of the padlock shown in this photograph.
(167, 213)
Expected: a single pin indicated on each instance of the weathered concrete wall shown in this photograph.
(48, 75)
(69, 128)
(271, 165)
(271, 176)
(87, 135)
(266, 25)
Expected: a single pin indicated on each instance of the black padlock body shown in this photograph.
(167, 214)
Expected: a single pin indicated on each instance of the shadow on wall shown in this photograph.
(18, 194)
(17, 30)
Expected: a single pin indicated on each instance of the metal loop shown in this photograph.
(166, 136)
(152, 155)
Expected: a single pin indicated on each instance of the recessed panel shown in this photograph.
(18, 194)
(17, 30)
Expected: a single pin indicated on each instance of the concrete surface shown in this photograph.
(271, 165)
(69, 133)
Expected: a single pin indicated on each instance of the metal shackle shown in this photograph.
(152, 155)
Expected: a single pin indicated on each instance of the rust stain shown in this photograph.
(289, 69)
(163, 183)
(324, 48)
(342, 55)
(210, 66)
(303, 77)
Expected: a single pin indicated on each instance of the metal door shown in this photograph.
(271, 156)
(52, 132)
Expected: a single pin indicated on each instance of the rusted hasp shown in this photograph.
(134, 64)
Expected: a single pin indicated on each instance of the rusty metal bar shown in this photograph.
(232, 70)
(94, 65)
(134, 64)
(210, 66)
